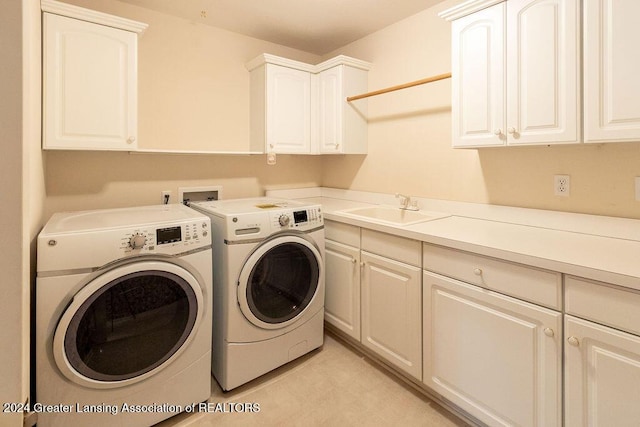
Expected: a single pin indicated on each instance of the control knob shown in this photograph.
(284, 220)
(137, 241)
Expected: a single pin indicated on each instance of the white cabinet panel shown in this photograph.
(602, 375)
(391, 312)
(288, 110)
(342, 287)
(496, 357)
(298, 108)
(342, 127)
(611, 70)
(543, 76)
(516, 75)
(89, 85)
(478, 73)
(330, 111)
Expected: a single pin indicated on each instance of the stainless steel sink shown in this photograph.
(393, 215)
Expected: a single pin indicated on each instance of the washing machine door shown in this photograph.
(279, 281)
(128, 323)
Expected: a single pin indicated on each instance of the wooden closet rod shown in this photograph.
(402, 86)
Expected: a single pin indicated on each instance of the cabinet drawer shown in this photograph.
(527, 283)
(394, 247)
(342, 233)
(603, 303)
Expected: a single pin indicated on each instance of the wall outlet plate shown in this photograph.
(165, 197)
(562, 185)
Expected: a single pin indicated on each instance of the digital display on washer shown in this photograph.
(168, 235)
(300, 216)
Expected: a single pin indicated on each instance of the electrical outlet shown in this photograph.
(166, 197)
(562, 185)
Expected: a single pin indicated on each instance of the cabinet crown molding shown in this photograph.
(467, 8)
(267, 58)
(71, 11)
(343, 60)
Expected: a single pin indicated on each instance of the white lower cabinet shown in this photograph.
(602, 354)
(391, 312)
(602, 375)
(496, 357)
(342, 287)
(373, 288)
(486, 334)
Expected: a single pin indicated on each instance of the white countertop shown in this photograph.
(599, 248)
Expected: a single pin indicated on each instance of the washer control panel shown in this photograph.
(297, 219)
(170, 239)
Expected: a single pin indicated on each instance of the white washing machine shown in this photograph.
(268, 276)
(123, 316)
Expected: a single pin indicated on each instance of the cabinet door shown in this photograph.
(478, 73)
(288, 110)
(543, 76)
(391, 312)
(342, 287)
(89, 85)
(602, 375)
(330, 110)
(496, 357)
(611, 70)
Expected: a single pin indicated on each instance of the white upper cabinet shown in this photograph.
(280, 111)
(89, 80)
(478, 72)
(342, 125)
(297, 108)
(611, 70)
(288, 110)
(516, 75)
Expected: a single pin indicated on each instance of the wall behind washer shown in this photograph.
(99, 180)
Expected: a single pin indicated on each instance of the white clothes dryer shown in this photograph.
(123, 316)
(268, 276)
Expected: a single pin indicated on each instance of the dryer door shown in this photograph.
(279, 281)
(128, 323)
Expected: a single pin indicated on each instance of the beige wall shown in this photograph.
(409, 139)
(97, 180)
(193, 95)
(21, 196)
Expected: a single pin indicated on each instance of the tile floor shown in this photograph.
(332, 386)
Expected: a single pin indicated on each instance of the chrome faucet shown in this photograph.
(406, 203)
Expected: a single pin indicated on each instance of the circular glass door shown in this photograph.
(128, 323)
(279, 281)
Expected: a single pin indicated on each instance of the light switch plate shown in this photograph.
(638, 188)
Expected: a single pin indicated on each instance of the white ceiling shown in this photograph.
(315, 26)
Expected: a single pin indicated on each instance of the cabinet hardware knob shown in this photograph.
(362, 264)
(477, 271)
(498, 132)
(353, 260)
(548, 332)
(337, 146)
(573, 341)
(511, 130)
(131, 140)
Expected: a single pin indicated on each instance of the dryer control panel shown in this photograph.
(297, 219)
(170, 240)
(90, 239)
